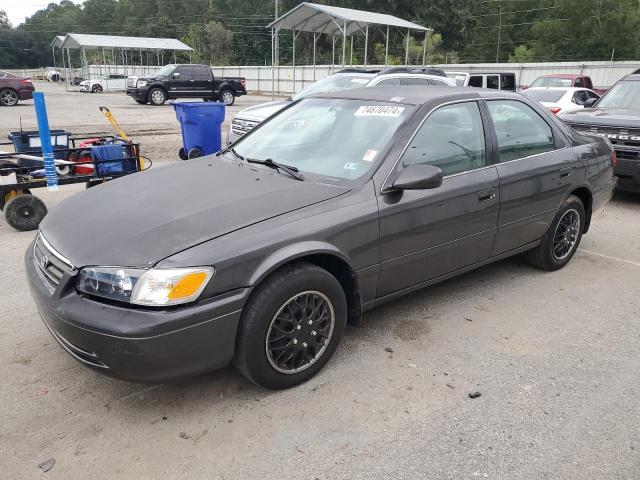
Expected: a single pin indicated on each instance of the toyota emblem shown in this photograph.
(44, 261)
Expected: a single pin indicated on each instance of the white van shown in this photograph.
(497, 81)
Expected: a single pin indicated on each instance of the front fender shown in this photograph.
(292, 252)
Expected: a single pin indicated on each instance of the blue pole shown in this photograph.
(45, 141)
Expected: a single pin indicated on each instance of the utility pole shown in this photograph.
(277, 44)
(499, 32)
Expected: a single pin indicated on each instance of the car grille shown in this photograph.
(131, 82)
(49, 261)
(241, 127)
(628, 137)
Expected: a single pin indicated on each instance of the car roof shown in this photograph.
(632, 77)
(415, 95)
(563, 75)
(564, 89)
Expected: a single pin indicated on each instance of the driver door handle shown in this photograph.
(486, 195)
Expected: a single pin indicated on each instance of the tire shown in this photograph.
(182, 154)
(25, 212)
(194, 153)
(141, 102)
(9, 97)
(257, 342)
(566, 229)
(227, 97)
(157, 96)
(96, 88)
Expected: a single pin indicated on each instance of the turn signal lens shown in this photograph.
(171, 286)
(555, 110)
(614, 158)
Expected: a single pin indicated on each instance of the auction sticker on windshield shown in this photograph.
(378, 111)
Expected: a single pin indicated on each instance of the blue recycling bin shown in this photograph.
(201, 126)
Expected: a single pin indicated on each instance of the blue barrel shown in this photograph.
(28, 142)
(201, 126)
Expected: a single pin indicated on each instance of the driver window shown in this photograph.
(452, 138)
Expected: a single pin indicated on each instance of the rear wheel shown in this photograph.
(157, 96)
(97, 88)
(8, 97)
(561, 241)
(291, 326)
(227, 97)
(25, 212)
(194, 153)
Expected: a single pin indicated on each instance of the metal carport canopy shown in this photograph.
(88, 41)
(325, 19)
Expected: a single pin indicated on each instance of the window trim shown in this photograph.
(488, 142)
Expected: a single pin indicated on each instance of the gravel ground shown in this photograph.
(556, 357)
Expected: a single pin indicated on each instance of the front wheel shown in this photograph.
(141, 102)
(157, 96)
(561, 241)
(227, 97)
(291, 326)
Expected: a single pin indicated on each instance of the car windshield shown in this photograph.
(166, 70)
(622, 95)
(334, 83)
(551, 82)
(549, 96)
(335, 140)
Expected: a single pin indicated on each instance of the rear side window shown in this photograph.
(493, 81)
(520, 130)
(201, 72)
(475, 81)
(451, 138)
(579, 82)
(580, 97)
(416, 81)
(508, 82)
(390, 81)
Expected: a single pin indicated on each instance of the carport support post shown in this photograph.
(314, 55)
(351, 55)
(273, 71)
(333, 52)
(366, 45)
(424, 48)
(386, 49)
(344, 43)
(406, 50)
(293, 63)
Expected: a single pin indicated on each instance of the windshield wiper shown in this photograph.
(231, 150)
(292, 171)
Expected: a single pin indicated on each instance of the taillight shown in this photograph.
(244, 83)
(26, 81)
(614, 158)
(555, 110)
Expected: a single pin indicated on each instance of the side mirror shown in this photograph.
(418, 177)
(590, 102)
(175, 74)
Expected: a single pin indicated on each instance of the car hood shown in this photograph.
(262, 111)
(601, 116)
(141, 219)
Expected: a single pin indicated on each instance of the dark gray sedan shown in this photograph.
(260, 255)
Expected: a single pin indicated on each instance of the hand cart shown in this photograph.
(88, 160)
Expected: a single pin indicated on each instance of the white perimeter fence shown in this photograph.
(259, 78)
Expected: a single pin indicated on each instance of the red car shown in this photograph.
(566, 80)
(14, 88)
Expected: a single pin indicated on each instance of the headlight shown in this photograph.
(157, 287)
(141, 83)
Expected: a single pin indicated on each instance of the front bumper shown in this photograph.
(138, 93)
(628, 172)
(137, 344)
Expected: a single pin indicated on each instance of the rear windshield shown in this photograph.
(550, 96)
(552, 82)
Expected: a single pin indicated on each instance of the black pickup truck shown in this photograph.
(185, 81)
(616, 116)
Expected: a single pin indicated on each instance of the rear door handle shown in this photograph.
(486, 195)
(565, 172)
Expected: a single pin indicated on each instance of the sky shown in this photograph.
(17, 10)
